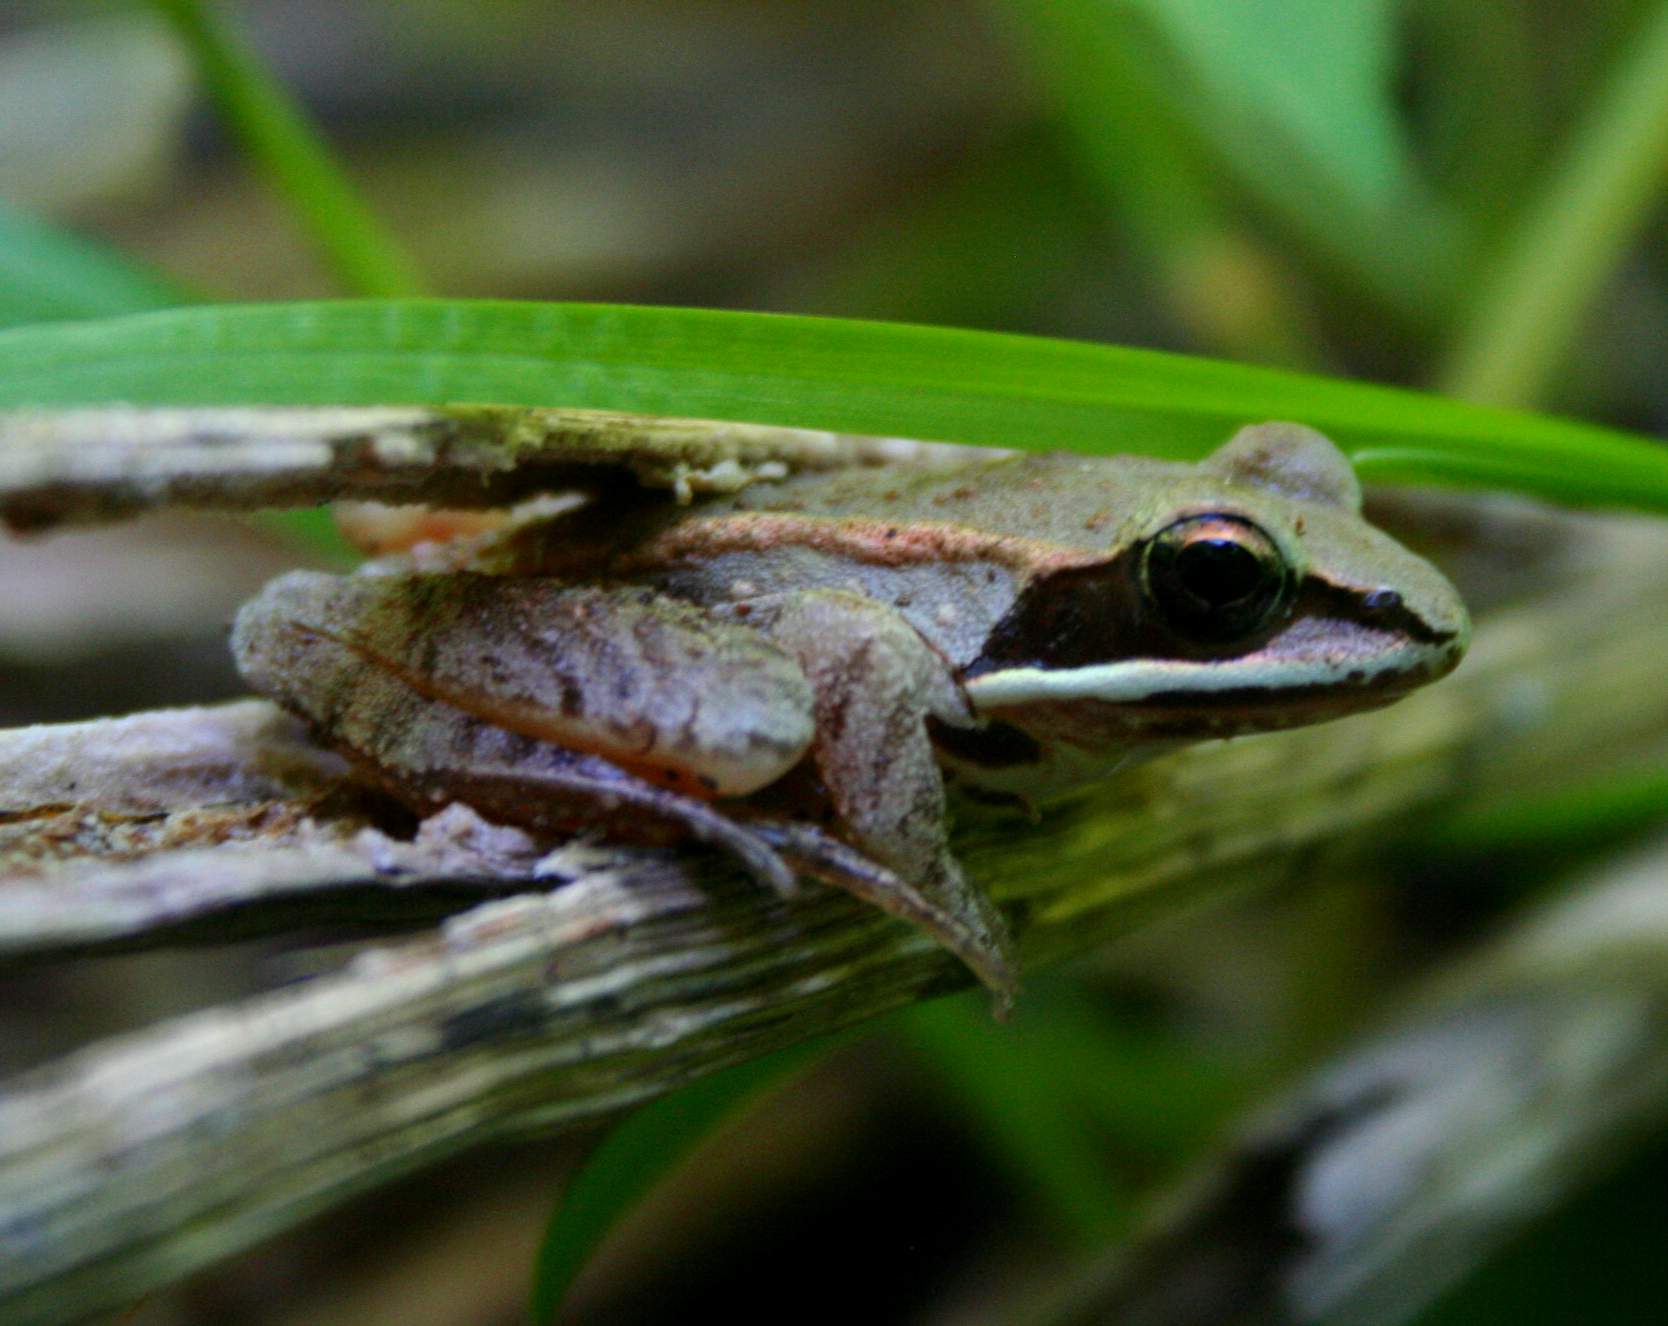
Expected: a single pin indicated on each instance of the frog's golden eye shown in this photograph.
(1214, 577)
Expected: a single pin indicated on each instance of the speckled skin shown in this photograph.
(857, 633)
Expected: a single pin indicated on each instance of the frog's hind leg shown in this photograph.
(876, 682)
(656, 687)
(459, 688)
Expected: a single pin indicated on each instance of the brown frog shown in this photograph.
(797, 671)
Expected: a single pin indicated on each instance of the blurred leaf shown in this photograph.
(1596, 1261)
(1158, 184)
(283, 145)
(1296, 99)
(1145, 1087)
(1011, 217)
(1022, 1112)
(1059, 1099)
(1141, 156)
(1480, 134)
(651, 1143)
(1309, 81)
(1596, 811)
(864, 377)
(1532, 298)
(48, 274)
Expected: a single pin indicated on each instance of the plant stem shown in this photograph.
(286, 149)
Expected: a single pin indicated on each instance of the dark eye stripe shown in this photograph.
(1383, 609)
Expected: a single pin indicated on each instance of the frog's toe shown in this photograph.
(964, 922)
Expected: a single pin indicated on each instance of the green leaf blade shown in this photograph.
(850, 376)
(646, 1147)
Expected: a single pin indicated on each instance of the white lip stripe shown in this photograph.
(1138, 679)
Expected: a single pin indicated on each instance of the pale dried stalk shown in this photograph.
(139, 1160)
(95, 464)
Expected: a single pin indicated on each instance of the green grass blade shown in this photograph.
(642, 1150)
(48, 275)
(1531, 301)
(284, 147)
(864, 377)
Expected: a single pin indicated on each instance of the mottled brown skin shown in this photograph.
(846, 640)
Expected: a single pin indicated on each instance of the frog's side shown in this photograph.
(839, 642)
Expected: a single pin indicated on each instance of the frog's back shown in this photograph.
(1069, 500)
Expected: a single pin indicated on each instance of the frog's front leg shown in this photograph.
(877, 682)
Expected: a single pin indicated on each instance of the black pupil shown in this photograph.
(1218, 571)
(1214, 578)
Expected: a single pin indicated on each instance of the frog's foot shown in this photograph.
(965, 922)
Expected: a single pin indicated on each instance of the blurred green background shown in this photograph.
(1459, 196)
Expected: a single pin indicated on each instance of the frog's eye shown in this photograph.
(1214, 577)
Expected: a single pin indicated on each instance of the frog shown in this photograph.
(815, 672)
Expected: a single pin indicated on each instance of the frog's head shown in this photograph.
(1241, 594)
